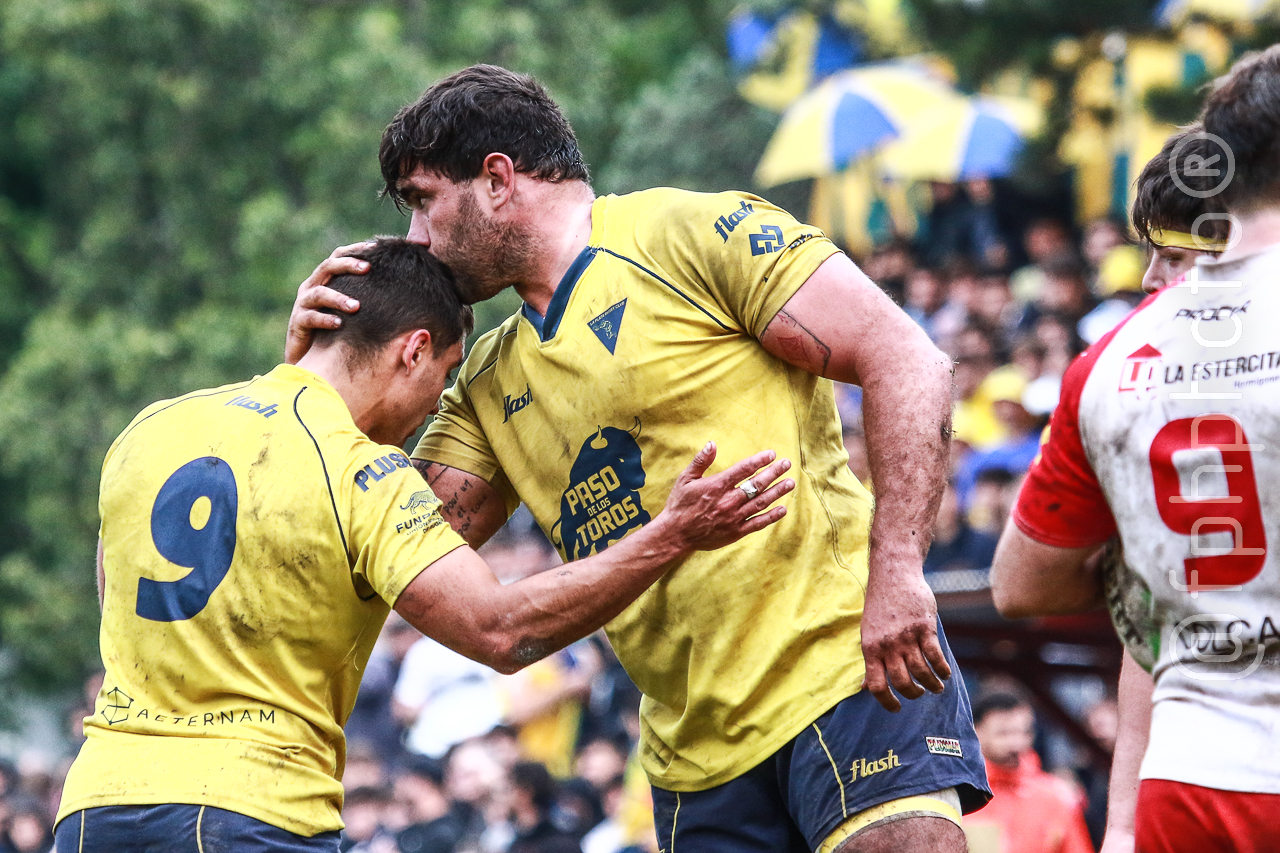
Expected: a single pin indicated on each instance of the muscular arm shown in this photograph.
(1030, 578)
(458, 602)
(473, 508)
(841, 326)
(1136, 687)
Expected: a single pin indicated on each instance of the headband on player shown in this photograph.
(1182, 240)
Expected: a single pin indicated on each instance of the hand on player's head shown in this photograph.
(711, 512)
(315, 301)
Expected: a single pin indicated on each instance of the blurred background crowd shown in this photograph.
(171, 169)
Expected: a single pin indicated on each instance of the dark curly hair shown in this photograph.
(478, 111)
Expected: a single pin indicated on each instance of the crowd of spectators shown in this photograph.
(447, 756)
(1012, 309)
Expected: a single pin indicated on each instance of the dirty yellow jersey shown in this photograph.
(648, 349)
(253, 541)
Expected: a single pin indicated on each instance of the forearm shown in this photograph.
(473, 508)
(907, 417)
(1134, 701)
(548, 611)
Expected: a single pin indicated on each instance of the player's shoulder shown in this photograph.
(709, 215)
(487, 348)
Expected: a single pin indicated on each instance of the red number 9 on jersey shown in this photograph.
(1237, 512)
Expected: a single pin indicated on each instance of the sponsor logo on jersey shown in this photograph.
(425, 504)
(1222, 312)
(511, 405)
(117, 707)
(726, 224)
(608, 325)
(210, 718)
(252, 405)
(379, 468)
(425, 499)
(862, 768)
(769, 239)
(602, 502)
(1139, 372)
(800, 241)
(944, 746)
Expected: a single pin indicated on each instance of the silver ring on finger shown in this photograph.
(749, 489)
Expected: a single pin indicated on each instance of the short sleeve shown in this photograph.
(749, 255)
(1061, 502)
(455, 438)
(396, 529)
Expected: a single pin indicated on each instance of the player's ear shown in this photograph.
(498, 179)
(416, 349)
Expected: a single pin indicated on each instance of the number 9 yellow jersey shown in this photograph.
(253, 542)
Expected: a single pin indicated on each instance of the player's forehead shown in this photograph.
(422, 181)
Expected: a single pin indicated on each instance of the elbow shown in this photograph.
(1011, 601)
(508, 651)
(1009, 605)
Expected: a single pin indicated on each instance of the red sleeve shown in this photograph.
(1061, 502)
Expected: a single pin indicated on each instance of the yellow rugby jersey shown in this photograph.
(253, 539)
(649, 348)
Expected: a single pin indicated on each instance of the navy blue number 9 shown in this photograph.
(207, 551)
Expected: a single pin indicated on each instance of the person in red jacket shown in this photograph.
(1032, 811)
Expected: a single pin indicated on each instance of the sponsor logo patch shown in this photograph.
(1138, 374)
(862, 768)
(944, 746)
(511, 405)
(726, 224)
(769, 239)
(602, 502)
(379, 468)
(252, 405)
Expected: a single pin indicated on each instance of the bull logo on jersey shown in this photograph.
(602, 502)
(1139, 371)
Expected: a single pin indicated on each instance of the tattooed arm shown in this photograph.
(473, 508)
(841, 326)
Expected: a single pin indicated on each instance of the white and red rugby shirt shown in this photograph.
(1168, 431)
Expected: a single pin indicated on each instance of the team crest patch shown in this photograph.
(608, 324)
(944, 746)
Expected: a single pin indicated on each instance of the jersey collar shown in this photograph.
(547, 326)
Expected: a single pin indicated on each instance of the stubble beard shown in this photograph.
(489, 256)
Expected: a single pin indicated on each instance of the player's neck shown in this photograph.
(362, 396)
(562, 228)
(1253, 232)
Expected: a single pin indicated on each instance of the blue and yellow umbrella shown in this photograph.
(963, 139)
(850, 115)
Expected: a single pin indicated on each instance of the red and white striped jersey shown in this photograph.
(1168, 431)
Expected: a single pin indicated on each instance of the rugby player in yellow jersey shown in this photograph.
(647, 319)
(253, 540)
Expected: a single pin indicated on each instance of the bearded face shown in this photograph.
(485, 255)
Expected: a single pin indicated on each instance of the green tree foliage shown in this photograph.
(171, 169)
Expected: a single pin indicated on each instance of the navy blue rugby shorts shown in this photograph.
(176, 828)
(852, 758)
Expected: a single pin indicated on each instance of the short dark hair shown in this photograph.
(997, 700)
(534, 778)
(405, 288)
(476, 112)
(1160, 204)
(1243, 110)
